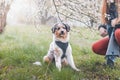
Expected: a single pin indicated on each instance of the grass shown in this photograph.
(21, 46)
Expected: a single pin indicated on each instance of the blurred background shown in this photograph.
(47, 12)
(26, 35)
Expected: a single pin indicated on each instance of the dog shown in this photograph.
(60, 49)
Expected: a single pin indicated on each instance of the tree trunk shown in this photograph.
(3, 15)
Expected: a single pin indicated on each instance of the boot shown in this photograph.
(110, 59)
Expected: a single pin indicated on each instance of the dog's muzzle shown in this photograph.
(62, 33)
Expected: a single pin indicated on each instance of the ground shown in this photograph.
(21, 46)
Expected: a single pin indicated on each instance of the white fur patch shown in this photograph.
(37, 63)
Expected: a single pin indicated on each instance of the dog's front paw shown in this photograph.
(77, 69)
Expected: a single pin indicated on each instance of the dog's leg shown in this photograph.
(49, 56)
(57, 57)
(64, 62)
(46, 59)
(71, 62)
(70, 59)
(58, 63)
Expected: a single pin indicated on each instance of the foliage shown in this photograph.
(86, 12)
(21, 46)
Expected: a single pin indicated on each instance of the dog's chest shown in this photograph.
(62, 46)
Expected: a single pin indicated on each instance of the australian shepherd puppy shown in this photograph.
(60, 49)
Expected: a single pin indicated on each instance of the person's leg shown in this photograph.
(111, 58)
(100, 46)
(117, 36)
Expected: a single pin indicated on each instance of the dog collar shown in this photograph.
(63, 46)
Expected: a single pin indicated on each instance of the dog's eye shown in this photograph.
(64, 28)
(58, 28)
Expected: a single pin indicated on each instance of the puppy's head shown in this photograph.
(60, 30)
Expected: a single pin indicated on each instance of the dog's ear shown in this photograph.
(54, 28)
(67, 27)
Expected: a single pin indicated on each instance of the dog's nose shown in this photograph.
(62, 32)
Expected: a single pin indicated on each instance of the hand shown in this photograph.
(114, 22)
(103, 32)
